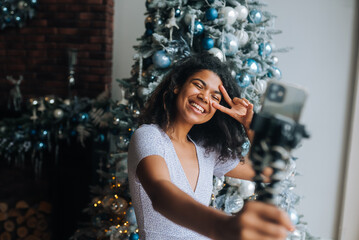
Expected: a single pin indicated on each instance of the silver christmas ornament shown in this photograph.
(229, 14)
(58, 113)
(246, 189)
(242, 12)
(217, 52)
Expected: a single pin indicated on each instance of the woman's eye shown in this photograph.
(215, 98)
(198, 85)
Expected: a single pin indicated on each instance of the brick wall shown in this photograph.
(38, 51)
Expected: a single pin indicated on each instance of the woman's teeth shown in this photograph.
(198, 107)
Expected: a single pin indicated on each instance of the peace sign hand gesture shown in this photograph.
(240, 109)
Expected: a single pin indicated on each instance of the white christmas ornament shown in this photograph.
(260, 86)
(233, 181)
(229, 14)
(246, 189)
(242, 38)
(242, 12)
(217, 52)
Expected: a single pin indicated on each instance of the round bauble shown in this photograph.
(275, 60)
(207, 43)
(265, 49)
(246, 189)
(198, 28)
(243, 80)
(243, 38)
(293, 215)
(274, 73)
(178, 12)
(217, 52)
(134, 236)
(211, 14)
(229, 14)
(253, 65)
(255, 16)
(260, 86)
(230, 44)
(161, 60)
(242, 12)
(58, 113)
(233, 203)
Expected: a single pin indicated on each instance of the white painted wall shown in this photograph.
(322, 34)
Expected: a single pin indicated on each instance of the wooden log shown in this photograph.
(9, 226)
(32, 237)
(14, 213)
(42, 225)
(3, 207)
(22, 204)
(30, 212)
(3, 216)
(20, 220)
(31, 222)
(22, 231)
(5, 236)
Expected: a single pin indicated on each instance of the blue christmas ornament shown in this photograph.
(134, 236)
(44, 133)
(245, 147)
(253, 65)
(178, 12)
(83, 117)
(255, 16)
(243, 80)
(148, 32)
(211, 14)
(33, 132)
(73, 133)
(161, 60)
(264, 49)
(275, 73)
(40, 145)
(198, 28)
(207, 43)
(230, 44)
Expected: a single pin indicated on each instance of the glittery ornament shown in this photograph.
(235, 182)
(217, 52)
(233, 203)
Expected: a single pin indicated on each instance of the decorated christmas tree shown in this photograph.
(239, 32)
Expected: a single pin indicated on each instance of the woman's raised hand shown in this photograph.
(240, 108)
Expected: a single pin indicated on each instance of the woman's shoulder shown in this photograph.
(151, 131)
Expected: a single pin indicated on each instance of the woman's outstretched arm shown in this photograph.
(256, 221)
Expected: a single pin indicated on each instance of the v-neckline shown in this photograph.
(182, 169)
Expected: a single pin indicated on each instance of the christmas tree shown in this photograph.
(239, 32)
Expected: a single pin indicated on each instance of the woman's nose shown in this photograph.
(203, 97)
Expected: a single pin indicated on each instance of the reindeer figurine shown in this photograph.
(15, 97)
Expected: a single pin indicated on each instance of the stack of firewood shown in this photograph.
(25, 222)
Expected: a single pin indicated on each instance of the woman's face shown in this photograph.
(195, 98)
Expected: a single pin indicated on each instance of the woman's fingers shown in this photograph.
(222, 109)
(225, 95)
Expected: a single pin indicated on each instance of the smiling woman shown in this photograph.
(192, 128)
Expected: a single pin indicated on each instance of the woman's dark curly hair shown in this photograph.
(221, 133)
